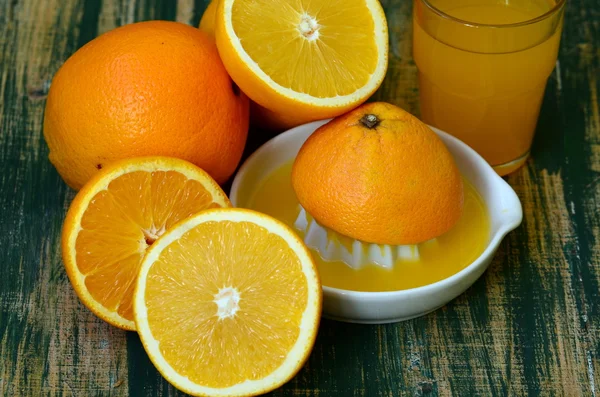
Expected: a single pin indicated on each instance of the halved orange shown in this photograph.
(228, 303)
(307, 59)
(379, 175)
(117, 215)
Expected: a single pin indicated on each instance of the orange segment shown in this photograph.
(117, 216)
(228, 303)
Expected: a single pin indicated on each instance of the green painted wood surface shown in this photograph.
(530, 326)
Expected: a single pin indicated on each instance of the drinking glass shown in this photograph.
(483, 67)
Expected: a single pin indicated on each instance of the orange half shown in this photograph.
(305, 59)
(119, 214)
(228, 303)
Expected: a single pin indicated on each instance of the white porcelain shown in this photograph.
(329, 245)
(502, 204)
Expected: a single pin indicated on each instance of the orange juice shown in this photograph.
(483, 67)
(446, 256)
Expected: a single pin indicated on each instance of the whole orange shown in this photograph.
(379, 175)
(149, 88)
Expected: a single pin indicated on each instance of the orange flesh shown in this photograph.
(210, 261)
(122, 221)
(313, 39)
(446, 256)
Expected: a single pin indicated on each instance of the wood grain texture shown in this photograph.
(530, 326)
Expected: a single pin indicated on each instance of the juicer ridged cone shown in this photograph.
(354, 253)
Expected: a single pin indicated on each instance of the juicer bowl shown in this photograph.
(502, 205)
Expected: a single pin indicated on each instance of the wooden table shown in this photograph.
(530, 326)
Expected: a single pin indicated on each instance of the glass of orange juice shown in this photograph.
(483, 67)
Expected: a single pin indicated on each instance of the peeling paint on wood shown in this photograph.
(530, 326)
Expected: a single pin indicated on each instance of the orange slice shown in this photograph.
(306, 59)
(118, 214)
(228, 303)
